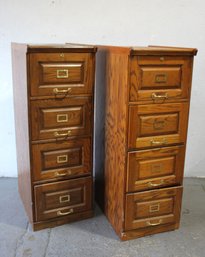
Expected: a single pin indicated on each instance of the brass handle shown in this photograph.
(163, 142)
(57, 134)
(150, 184)
(59, 91)
(156, 97)
(154, 224)
(58, 174)
(60, 213)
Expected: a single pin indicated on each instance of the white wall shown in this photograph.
(128, 22)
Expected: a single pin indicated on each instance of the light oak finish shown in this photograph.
(146, 118)
(54, 109)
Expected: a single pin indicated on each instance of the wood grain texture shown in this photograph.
(62, 160)
(73, 71)
(52, 118)
(155, 168)
(117, 64)
(162, 76)
(145, 136)
(60, 199)
(153, 208)
(54, 131)
(21, 110)
(156, 125)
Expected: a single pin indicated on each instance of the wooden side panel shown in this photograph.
(115, 134)
(22, 125)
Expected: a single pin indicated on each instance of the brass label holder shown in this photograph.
(154, 208)
(161, 78)
(62, 117)
(64, 198)
(62, 74)
(62, 158)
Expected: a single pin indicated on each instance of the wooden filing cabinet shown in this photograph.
(53, 101)
(146, 117)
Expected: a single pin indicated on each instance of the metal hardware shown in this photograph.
(57, 134)
(154, 224)
(150, 184)
(61, 55)
(64, 198)
(58, 174)
(63, 91)
(163, 142)
(161, 78)
(60, 213)
(158, 124)
(62, 117)
(62, 74)
(161, 58)
(62, 158)
(154, 208)
(159, 97)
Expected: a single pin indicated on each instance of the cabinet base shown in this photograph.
(134, 234)
(62, 220)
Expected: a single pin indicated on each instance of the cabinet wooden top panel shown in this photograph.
(151, 50)
(49, 48)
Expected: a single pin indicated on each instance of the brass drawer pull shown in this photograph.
(154, 224)
(159, 97)
(163, 142)
(58, 174)
(59, 91)
(60, 213)
(57, 134)
(150, 184)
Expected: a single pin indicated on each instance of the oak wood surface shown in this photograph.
(64, 71)
(162, 76)
(153, 208)
(55, 151)
(62, 159)
(145, 148)
(63, 198)
(57, 117)
(155, 168)
(21, 110)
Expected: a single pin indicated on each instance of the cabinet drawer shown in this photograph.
(160, 78)
(61, 74)
(61, 160)
(62, 198)
(61, 118)
(155, 168)
(153, 208)
(157, 124)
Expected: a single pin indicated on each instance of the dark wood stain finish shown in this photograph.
(146, 118)
(53, 99)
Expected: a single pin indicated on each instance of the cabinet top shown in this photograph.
(149, 50)
(49, 48)
(166, 50)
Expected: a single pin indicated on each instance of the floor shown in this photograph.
(95, 237)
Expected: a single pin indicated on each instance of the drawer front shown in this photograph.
(153, 208)
(156, 125)
(61, 160)
(61, 118)
(160, 79)
(155, 168)
(62, 198)
(61, 74)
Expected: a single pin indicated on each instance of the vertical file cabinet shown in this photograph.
(53, 102)
(146, 117)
